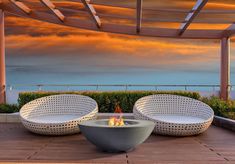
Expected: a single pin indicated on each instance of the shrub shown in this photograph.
(7, 108)
(106, 100)
(221, 108)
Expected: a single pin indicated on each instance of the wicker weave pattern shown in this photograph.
(173, 105)
(80, 107)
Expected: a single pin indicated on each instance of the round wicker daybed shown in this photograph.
(174, 115)
(58, 114)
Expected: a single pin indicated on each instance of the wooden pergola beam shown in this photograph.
(92, 12)
(138, 15)
(191, 15)
(230, 31)
(21, 6)
(53, 8)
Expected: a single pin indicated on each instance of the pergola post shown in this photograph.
(225, 68)
(2, 60)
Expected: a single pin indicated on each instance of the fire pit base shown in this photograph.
(116, 138)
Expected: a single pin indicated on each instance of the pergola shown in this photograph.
(88, 14)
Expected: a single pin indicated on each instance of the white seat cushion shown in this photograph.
(179, 119)
(54, 118)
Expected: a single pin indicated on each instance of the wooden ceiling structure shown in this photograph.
(55, 12)
(66, 14)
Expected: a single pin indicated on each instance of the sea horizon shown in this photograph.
(25, 79)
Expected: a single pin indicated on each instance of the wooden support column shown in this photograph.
(225, 68)
(2, 60)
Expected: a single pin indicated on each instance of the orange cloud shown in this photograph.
(117, 52)
(219, 5)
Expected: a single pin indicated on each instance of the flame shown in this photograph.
(118, 109)
(114, 121)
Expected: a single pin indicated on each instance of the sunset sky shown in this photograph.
(40, 48)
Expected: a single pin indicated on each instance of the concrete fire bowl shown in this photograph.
(116, 138)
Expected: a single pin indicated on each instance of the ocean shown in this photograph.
(25, 77)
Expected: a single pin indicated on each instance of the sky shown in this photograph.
(39, 52)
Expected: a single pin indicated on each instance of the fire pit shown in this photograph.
(116, 134)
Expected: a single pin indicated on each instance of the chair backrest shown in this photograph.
(59, 104)
(172, 104)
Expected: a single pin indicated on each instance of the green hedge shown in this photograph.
(220, 107)
(126, 100)
(106, 100)
(7, 108)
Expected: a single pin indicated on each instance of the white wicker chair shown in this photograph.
(174, 115)
(58, 114)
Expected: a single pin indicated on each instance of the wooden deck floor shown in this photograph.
(18, 145)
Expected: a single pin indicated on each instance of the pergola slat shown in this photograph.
(21, 6)
(52, 7)
(191, 15)
(49, 4)
(138, 15)
(92, 9)
(92, 12)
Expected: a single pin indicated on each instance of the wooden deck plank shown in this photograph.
(18, 145)
(173, 149)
